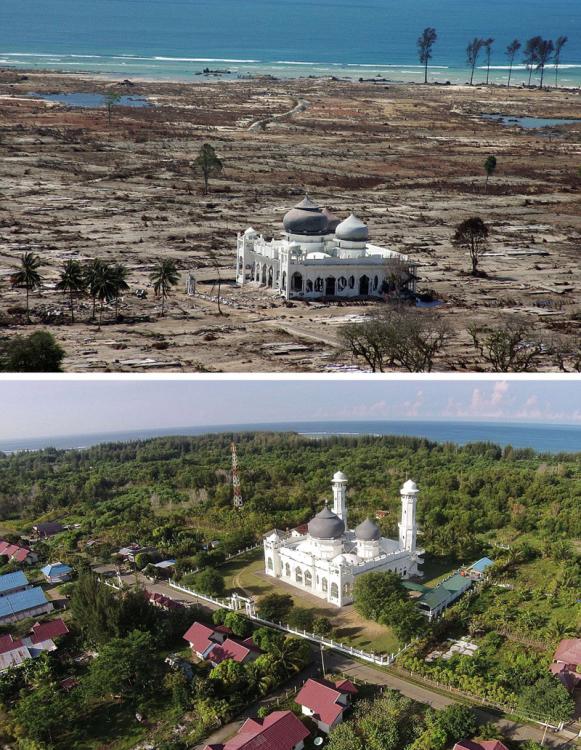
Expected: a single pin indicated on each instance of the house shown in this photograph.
(163, 602)
(280, 730)
(216, 645)
(203, 639)
(325, 702)
(434, 601)
(57, 572)
(567, 663)
(14, 652)
(168, 565)
(18, 605)
(478, 569)
(10, 583)
(481, 745)
(48, 528)
(130, 552)
(16, 553)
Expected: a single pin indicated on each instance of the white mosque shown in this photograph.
(320, 256)
(326, 560)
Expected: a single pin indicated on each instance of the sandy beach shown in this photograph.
(407, 158)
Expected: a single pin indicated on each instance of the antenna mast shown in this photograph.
(236, 492)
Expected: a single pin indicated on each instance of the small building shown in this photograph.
(241, 652)
(130, 552)
(163, 602)
(47, 529)
(10, 583)
(57, 572)
(217, 644)
(280, 730)
(326, 702)
(14, 652)
(19, 605)
(478, 569)
(434, 601)
(567, 663)
(202, 639)
(480, 745)
(167, 565)
(16, 553)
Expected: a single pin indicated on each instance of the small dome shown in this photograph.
(347, 559)
(306, 218)
(326, 525)
(332, 220)
(317, 255)
(367, 531)
(352, 230)
(251, 232)
(339, 477)
(410, 486)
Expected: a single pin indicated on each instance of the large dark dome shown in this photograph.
(368, 531)
(306, 218)
(326, 525)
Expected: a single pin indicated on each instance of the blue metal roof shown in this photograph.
(12, 581)
(481, 565)
(56, 569)
(12, 604)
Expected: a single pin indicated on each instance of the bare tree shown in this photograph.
(397, 338)
(511, 346)
(511, 51)
(472, 54)
(566, 353)
(472, 234)
(487, 44)
(426, 42)
(559, 44)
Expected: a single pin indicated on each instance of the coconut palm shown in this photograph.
(27, 276)
(103, 285)
(289, 655)
(559, 44)
(544, 54)
(472, 53)
(531, 55)
(120, 273)
(72, 281)
(164, 276)
(425, 44)
(92, 274)
(487, 44)
(511, 51)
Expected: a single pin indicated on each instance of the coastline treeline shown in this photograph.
(538, 53)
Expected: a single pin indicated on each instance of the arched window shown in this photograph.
(297, 282)
(364, 285)
(308, 578)
(329, 286)
(341, 283)
(325, 585)
(319, 285)
(287, 570)
(309, 286)
(334, 591)
(298, 575)
(351, 282)
(270, 276)
(269, 564)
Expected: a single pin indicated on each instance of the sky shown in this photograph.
(51, 408)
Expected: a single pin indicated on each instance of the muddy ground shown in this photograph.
(408, 159)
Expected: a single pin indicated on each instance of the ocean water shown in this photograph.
(177, 39)
(544, 438)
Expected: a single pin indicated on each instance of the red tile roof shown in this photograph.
(7, 644)
(322, 698)
(229, 650)
(280, 730)
(47, 631)
(164, 601)
(346, 686)
(483, 745)
(569, 651)
(14, 551)
(199, 637)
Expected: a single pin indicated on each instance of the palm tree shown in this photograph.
(102, 285)
(511, 51)
(287, 654)
(559, 44)
(120, 273)
(472, 53)
(92, 274)
(487, 44)
(531, 55)
(27, 276)
(164, 276)
(544, 53)
(72, 281)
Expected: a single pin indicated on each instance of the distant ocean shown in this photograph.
(177, 39)
(544, 438)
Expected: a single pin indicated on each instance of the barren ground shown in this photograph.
(407, 158)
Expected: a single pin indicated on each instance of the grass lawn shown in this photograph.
(246, 574)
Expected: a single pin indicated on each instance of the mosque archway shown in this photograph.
(264, 274)
(297, 282)
(330, 286)
(364, 285)
(309, 286)
(334, 591)
(283, 285)
(298, 575)
(270, 276)
(308, 578)
(287, 570)
(269, 564)
(341, 283)
(324, 585)
(319, 285)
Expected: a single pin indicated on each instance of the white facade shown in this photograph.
(320, 257)
(326, 560)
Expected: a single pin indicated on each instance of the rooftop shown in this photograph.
(322, 696)
(20, 601)
(280, 730)
(11, 581)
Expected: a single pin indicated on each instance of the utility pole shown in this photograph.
(323, 660)
(237, 493)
